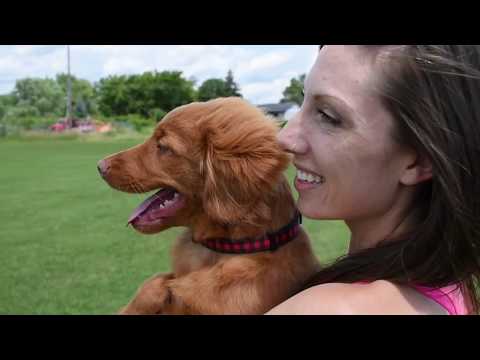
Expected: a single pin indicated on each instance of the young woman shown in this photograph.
(388, 139)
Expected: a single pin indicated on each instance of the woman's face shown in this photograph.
(348, 166)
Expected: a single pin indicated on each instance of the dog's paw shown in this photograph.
(152, 297)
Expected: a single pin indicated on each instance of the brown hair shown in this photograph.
(433, 93)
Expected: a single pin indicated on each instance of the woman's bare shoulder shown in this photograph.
(378, 297)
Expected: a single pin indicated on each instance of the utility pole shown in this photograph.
(69, 90)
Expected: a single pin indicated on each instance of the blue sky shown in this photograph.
(262, 71)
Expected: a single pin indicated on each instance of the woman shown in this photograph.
(388, 139)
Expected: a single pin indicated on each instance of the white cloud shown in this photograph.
(263, 62)
(266, 91)
(262, 72)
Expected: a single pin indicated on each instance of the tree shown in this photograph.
(112, 95)
(6, 102)
(170, 90)
(158, 114)
(20, 111)
(231, 86)
(45, 95)
(212, 89)
(294, 91)
(142, 94)
(216, 88)
(81, 108)
(84, 100)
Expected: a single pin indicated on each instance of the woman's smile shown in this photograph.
(305, 180)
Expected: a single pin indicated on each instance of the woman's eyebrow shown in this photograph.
(334, 100)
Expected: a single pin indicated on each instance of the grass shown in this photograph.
(64, 245)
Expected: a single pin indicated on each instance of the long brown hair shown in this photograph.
(433, 93)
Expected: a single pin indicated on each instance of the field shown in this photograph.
(64, 246)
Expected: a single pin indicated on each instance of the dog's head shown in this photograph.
(215, 162)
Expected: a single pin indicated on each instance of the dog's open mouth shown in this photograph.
(158, 207)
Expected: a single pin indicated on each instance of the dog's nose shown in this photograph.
(102, 167)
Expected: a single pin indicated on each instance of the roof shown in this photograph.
(276, 108)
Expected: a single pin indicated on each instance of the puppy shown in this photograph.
(217, 170)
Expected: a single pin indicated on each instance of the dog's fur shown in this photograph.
(223, 156)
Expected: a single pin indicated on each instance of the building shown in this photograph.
(277, 110)
(283, 111)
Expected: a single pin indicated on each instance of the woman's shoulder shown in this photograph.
(374, 298)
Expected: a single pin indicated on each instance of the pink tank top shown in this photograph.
(449, 297)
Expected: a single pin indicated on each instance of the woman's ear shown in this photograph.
(417, 170)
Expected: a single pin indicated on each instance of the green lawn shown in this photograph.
(64, 245)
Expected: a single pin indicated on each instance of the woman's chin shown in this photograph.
(311, 210)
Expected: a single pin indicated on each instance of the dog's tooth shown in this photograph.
(162, 206)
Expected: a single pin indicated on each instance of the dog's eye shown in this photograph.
(163, 149)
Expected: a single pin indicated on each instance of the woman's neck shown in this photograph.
(368, 232)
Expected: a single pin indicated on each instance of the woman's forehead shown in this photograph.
(347, 72)
(351, 74)
(345, 66)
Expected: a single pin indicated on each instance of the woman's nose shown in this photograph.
(290, 137)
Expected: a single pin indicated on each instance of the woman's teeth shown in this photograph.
(311, 178)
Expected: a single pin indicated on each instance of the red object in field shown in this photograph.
(58, 127)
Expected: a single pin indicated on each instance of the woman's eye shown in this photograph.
(329, 119)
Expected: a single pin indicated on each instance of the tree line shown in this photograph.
(149, 95)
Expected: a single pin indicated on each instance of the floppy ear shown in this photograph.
(242, 164)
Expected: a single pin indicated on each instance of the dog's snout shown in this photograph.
(102, 167)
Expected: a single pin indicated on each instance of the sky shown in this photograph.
(261, 71)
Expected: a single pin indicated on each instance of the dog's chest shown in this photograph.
(188, 256)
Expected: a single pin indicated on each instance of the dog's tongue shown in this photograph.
(146, 204)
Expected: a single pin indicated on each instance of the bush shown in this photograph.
(157, 114)
(30, 122)
(138, 121)
(15, 112)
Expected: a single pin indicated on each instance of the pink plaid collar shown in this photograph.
(268, 242)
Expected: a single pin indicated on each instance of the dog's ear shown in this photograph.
(242, 163)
